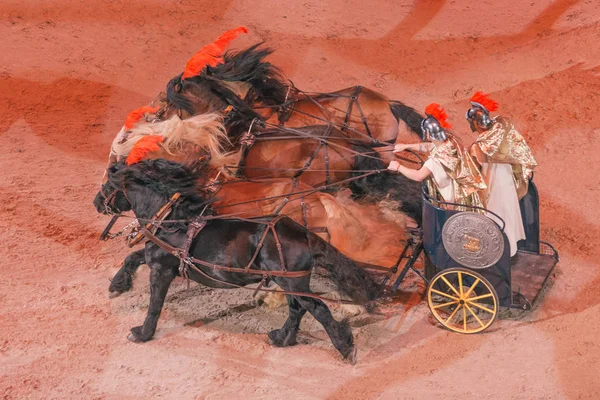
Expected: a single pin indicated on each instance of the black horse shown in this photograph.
(145, 187)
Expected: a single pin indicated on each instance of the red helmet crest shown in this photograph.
(436, 111)
(484, 100)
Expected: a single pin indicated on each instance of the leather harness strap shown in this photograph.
(156, 221)
(357, 91)
(189, 261)
(196, 226)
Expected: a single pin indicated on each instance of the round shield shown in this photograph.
(473, 240)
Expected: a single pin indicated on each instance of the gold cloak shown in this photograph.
(462, 169)
(504, 144)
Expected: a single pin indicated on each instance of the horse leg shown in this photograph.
(339, 332)
(286, 336)
(123, 279)
(160, 280)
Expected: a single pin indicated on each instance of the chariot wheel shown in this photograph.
(462, 300)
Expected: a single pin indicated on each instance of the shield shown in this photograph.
(473, 240)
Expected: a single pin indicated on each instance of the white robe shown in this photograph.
(501, 198)
(443, 180)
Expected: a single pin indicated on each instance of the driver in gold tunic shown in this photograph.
(506, 163)
(453, 175)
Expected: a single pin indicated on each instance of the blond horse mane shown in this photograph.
(205, 130)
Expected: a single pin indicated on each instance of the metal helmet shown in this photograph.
(479, 115)
(432, 126)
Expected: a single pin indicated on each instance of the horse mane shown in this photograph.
(165, 178)
(249, 66)
(205, 131)
(216, 95)
(175, 98)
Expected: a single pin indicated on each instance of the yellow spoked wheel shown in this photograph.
(462, 300)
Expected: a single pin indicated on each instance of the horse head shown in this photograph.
(111, 199)
(146, 186)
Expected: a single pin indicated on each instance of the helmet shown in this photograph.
(435, 123)
(432, 126)
(479, 113)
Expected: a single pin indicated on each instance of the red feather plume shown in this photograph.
(211, 54)
(436, 111)
(137, 114)
(485, 101)
(142, 147)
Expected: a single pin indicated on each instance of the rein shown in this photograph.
(300, 194)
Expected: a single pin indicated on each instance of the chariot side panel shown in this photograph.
(434, 219)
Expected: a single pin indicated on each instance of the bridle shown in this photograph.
(135, 235)
(109, 201)
(110, 198)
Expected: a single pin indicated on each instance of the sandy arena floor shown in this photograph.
(71, 70)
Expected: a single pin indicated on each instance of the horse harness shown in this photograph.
(187, 262)
(195, 227)
(249, 138)
(288, 108)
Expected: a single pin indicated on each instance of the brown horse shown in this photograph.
(315, 155)
(320, 212)
(247, 87)
(364, 233)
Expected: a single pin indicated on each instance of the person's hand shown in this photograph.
(400, 147)
(394, 165)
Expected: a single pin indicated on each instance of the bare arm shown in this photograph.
(423, 147)
(413, 174)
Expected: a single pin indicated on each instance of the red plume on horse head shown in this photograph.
(211, 54)
(436, 111)
(485, 101)
(137, 114)
(142, 147)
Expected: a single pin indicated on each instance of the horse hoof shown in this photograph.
(275, 339)
(136, 335)
(132, 338)
(351, 357)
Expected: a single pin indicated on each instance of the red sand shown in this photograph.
(71, 71)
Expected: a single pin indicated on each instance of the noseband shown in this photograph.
(108, 201)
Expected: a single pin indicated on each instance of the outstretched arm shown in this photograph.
(424, 147)
(414, 174)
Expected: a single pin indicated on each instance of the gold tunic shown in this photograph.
(462, 169)
(504, 144)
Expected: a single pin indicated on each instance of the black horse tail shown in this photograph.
(386, 184)
(409, 115)
(347, 276)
